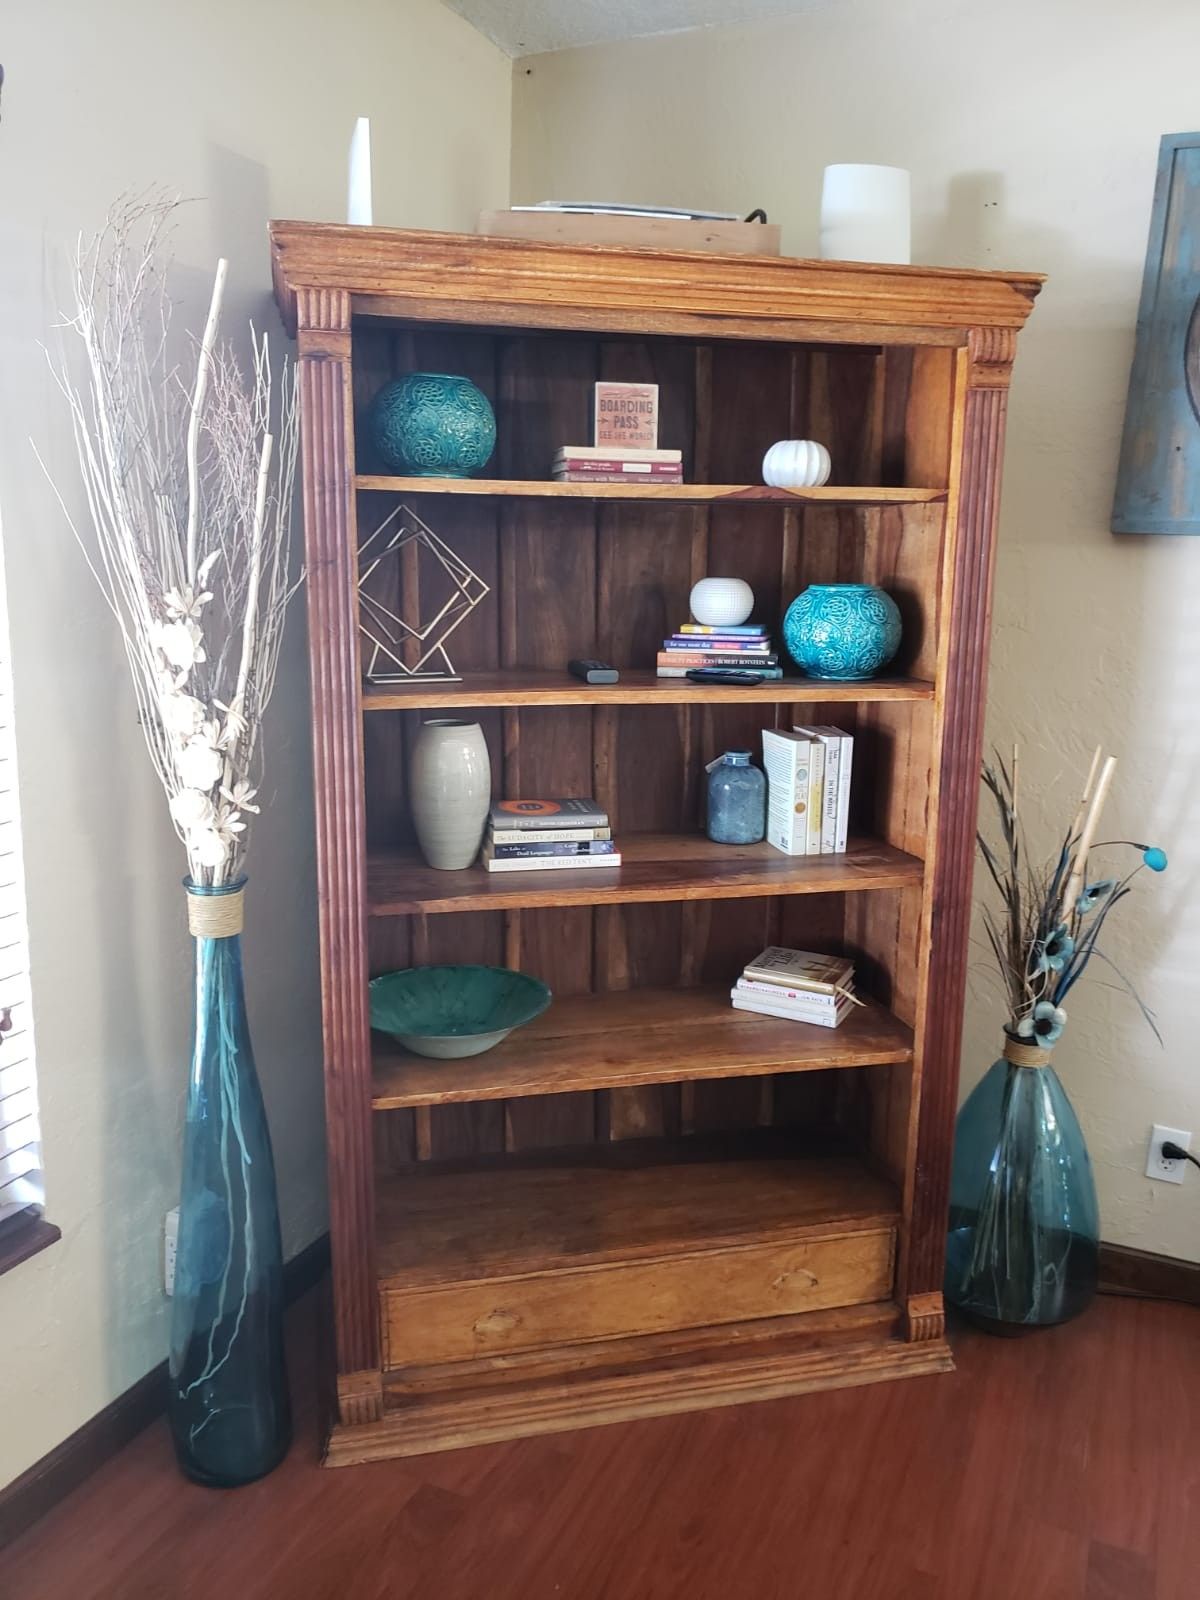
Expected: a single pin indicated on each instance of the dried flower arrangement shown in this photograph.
(1052, 915)
(189, 488)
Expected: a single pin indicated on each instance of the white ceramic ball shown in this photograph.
(796, 464)
(722, 602)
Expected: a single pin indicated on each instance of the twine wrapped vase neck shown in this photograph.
(215, 911)
(1021, 1054)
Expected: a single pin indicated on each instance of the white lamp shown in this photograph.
(866, 214)
(358, 206)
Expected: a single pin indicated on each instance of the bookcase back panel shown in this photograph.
(573, 578)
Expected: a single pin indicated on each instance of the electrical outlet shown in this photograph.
(1157, 1165)
(170, 1244)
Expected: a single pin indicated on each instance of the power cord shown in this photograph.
(1176, 1152)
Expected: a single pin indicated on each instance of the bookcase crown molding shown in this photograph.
(469, 278)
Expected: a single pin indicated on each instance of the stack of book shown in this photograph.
(799, 985)
(808, 789)
(529, 834)
(613, 463)
(746, 648)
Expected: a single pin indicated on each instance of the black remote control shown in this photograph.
(594, 671)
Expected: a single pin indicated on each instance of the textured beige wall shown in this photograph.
(1032, 132)
(248, 108)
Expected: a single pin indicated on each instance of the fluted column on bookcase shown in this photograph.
(989, 358)
(327, 445)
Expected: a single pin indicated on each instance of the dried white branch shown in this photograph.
(203, 367)
(189, 491)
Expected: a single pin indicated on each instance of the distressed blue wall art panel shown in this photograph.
(1158, 481)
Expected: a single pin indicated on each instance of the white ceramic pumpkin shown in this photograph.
(796, 464)
(722, 602)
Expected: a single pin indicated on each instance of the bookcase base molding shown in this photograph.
(657, 1376)
(645, 1201)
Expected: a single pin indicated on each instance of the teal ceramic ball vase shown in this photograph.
(842, 631)
(433, 425)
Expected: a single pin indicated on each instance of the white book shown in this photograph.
(777, 992)
(839, 760)
(829, 798)
(629, 453)
(843, 816)
(552, 863)
(786, 758)
(763, 1008)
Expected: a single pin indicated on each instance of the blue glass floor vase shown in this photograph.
(1023, 1250)
(228, 1397)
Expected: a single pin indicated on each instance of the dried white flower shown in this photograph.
(235, 724)
(191, 809)
(185, 603)
(182, 714)
(240, 796)
(208, 847)
(229, 821)
(199, 763)
(180, 642)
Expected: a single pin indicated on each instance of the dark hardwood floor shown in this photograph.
(1049, 1468)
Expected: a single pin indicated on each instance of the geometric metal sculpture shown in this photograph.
(385, 629)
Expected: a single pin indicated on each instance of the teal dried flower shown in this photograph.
(1044, 1025)
(1056, 952)
(1094, 893)
(1155, 858)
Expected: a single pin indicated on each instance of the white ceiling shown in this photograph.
(528, 27)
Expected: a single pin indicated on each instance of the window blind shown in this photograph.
(21, 1185)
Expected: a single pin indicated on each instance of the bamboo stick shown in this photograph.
(1090, 823)
(1087, 794)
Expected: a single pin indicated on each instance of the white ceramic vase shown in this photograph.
(722, 602)
(796, 464)
(450, 789)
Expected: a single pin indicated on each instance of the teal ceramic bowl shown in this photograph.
(454, 1011)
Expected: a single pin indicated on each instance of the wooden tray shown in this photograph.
(644, 233)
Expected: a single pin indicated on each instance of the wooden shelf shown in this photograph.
(682, 493)
(638, 686)
(636, 1036)
(655, 867)
(605, 1203)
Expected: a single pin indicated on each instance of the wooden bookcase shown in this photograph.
(646, 1201)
